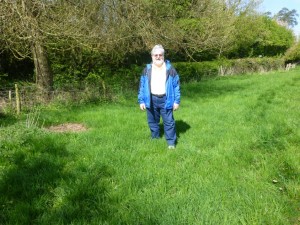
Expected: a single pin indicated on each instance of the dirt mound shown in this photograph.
(67, 127)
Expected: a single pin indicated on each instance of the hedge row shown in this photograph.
(196, 71)
(118, 79)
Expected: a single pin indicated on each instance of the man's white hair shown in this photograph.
(158, 47)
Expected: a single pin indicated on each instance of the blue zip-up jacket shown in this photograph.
(172, 87)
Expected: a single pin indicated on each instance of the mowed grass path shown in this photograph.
(237, 160)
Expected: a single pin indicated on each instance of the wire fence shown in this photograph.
(23, 98)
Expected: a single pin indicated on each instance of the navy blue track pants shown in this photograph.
(154, 113)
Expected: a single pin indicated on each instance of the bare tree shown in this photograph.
(190, 26)
(30, 28)
(21, 33)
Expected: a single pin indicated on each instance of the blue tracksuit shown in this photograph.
(160, 106)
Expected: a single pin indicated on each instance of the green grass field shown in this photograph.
(237, 160)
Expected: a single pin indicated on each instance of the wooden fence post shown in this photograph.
(10, 99)
(18, 104)
(104, 88)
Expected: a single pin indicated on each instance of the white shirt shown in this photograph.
(158, 79)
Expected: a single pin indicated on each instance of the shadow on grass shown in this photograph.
(37, 186)
(181, 127)
(7, 120)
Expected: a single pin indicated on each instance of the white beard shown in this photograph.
(158, 62)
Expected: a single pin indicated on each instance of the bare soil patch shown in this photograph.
(67, 127)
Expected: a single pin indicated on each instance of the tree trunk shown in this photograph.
(43, 73)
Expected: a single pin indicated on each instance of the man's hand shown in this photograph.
(175, 106)
(142, 106)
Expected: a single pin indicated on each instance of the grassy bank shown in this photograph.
(237, 160)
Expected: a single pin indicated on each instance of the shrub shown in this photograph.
(254, 65)
(195, 71)
(293, 53)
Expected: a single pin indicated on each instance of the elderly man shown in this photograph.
(159, 95)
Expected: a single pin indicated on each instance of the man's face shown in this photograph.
(157, 57)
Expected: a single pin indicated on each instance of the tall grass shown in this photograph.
(237, 160)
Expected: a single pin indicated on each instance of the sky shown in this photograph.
(274, 6)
